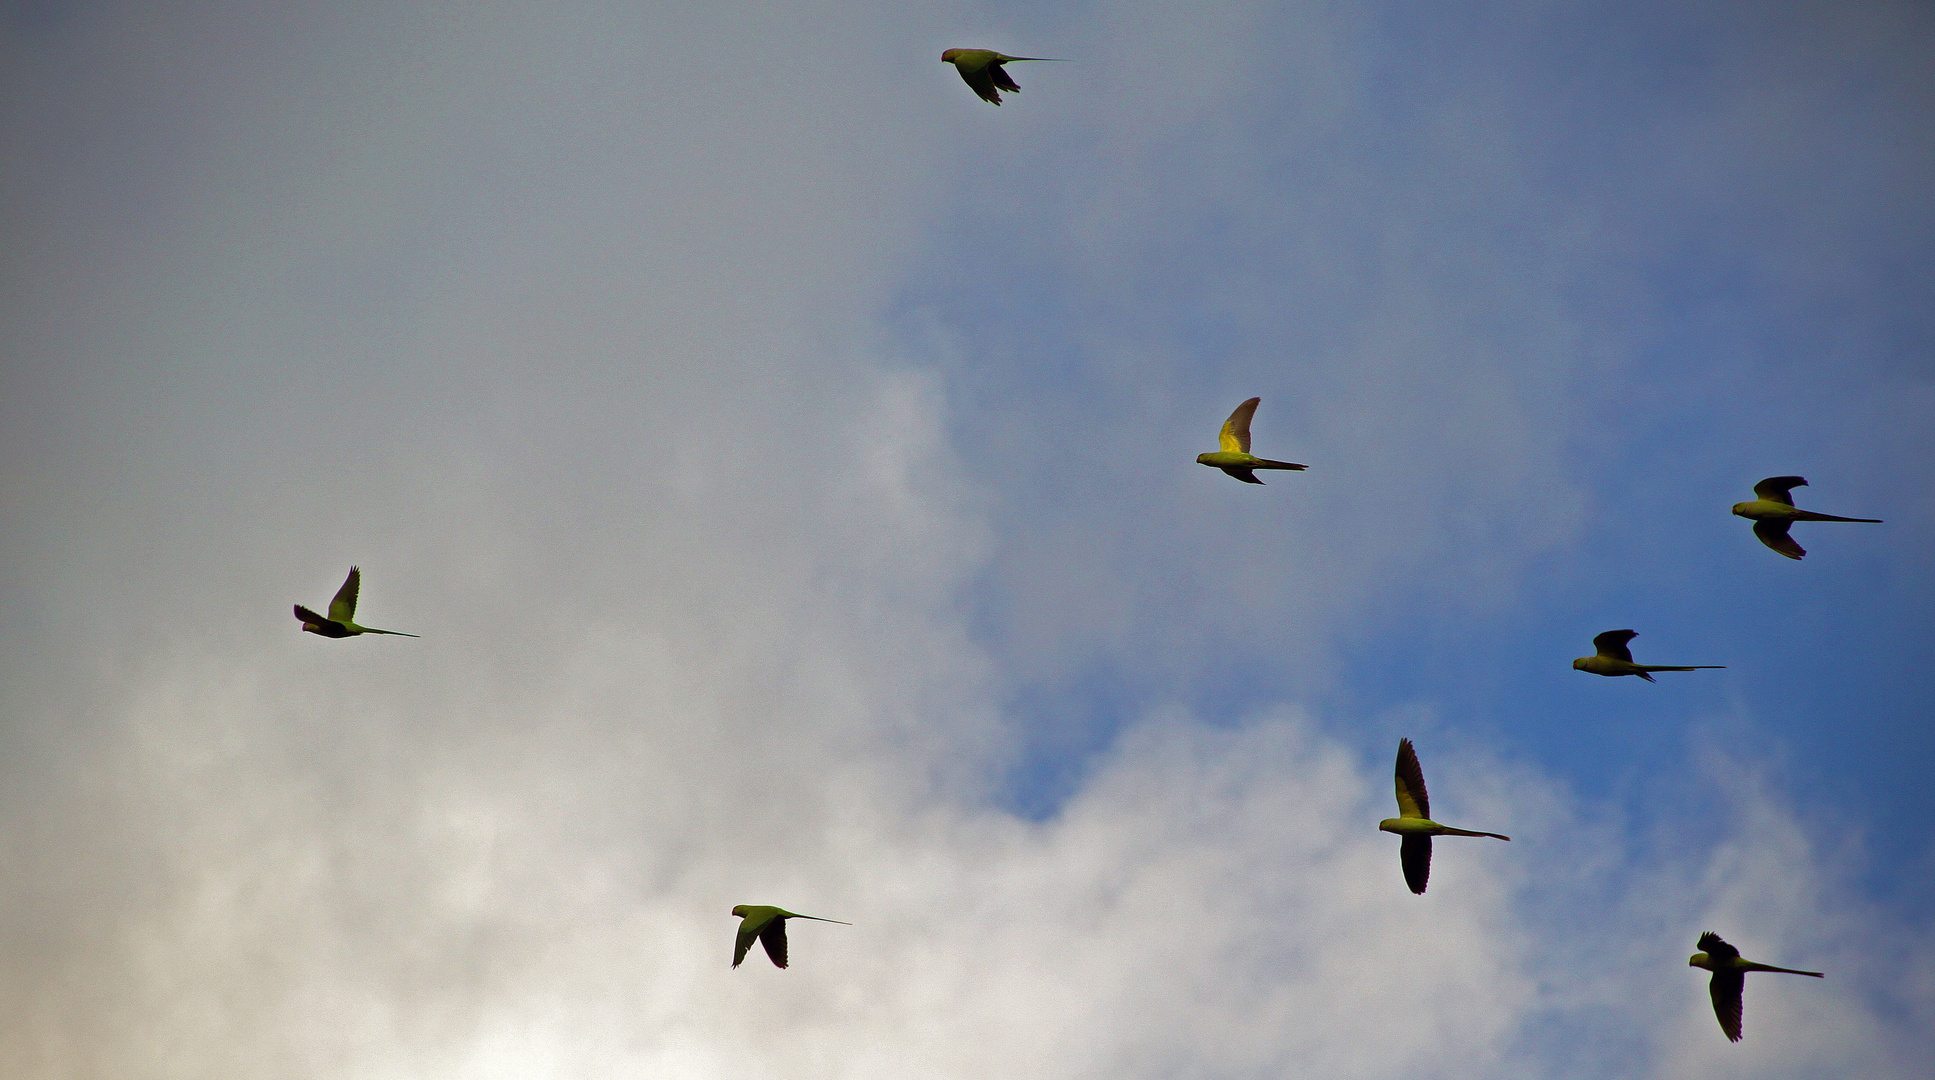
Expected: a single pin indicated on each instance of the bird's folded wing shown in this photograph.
(343, 607)
(1000, 77)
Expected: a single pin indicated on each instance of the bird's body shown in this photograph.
(1235, 458)
(1730, 979)
(1414, 823)
(1614, 658)
(341, 622)
(768, 925)
(1773, 511)
(981, 69)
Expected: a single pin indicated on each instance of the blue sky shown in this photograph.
(788, 460)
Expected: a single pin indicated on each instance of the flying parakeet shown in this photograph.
(1414, 823)
(1234, 458)
(1774, 511)
(981, 70)
(1616, 659)
(1730, 978)
(768, 924)
(342, 613)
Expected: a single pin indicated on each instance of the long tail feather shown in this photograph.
(1809, 515)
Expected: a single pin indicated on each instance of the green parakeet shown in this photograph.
(981, 70)
(1616, 659)
(1730, 978)
(1234, 458)
(768, 924)
(1414, 823)
(1774, 511)
(342, 613)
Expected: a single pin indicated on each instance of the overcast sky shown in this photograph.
(788, 462)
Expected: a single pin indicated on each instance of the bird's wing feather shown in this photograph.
(1244, 473)
(1726, 988)
(343, 607)
(980, 82)
(746, 935)
(1774, 535)
(1415, 854)
(1713, 945)
(1000, 77)
(1236, 430)
(1775, 488)
(1412, 799)
(309, 616)
(1612, 643)
(774, 938)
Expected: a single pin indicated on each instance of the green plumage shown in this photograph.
(1235, 458)
(340, 622)
(768, 925)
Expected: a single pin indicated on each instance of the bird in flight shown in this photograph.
(1414, 823)
(1730, 978)
(1773, 511)
(1234, 458)
(1616, 659)
(981, 69)
(768, 924)
(342, 613)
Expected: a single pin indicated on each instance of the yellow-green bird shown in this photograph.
(1730, 978)
(342, 613)
(1773, 511)
(1616, 659)
(981, 70)
(1235, 458)
(768, 924)
(1414, 823)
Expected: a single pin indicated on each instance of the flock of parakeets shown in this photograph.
(1772, 512)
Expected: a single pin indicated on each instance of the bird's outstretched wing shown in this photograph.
(343, 608)
(1248, 476)
(1726, 987)
(1412, 799)
(1612, 644)
(309, 616)
(1775, 488)
(1712, 944)
(1000, 77)
(1236, 430)
(774, 938)
(981, 82)
(739, 947)
(1774, 535)
(1415, 855)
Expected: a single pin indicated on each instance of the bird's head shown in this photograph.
(1739, 507)
(1389, 824)
(1700, 960)
(950, 56)
(740, 911)
(311, 628)
(1579, 664)
(1202, 459)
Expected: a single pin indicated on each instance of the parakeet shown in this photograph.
(981, 70)
(1730, 978)
(768, 924)
(1414, 823)
(1774, 511)
(342, 612)
(1234, 458)
(1616, 659)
